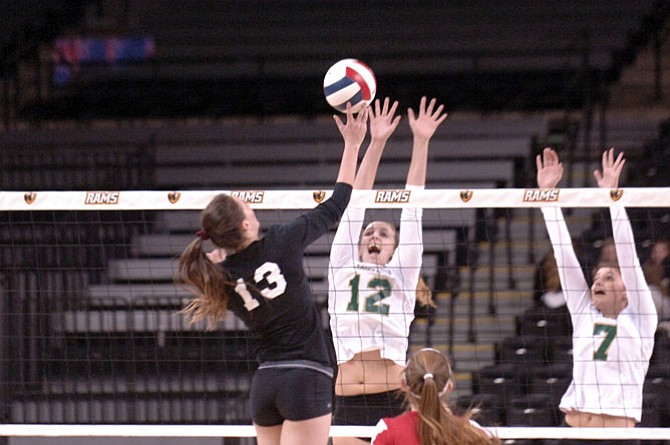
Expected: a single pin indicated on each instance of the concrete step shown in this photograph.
(502, 296)
(486, 327)
(466, 359)
(522, 275)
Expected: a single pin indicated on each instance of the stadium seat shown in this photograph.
(525, 353)
(523, 442)
(488, 409)
(652, 409)
(659, 384)
(532, 410)
(552, 380)
(553, 370)
(502, 380)
(524, 350)
(561, 350)
(661, 352)
(544, 322)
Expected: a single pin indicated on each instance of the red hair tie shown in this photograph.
(202, 234)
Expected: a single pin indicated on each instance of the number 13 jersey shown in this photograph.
(272, 295)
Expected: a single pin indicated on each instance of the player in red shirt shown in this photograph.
(426, 382)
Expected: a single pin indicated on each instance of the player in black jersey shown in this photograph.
(262, 281)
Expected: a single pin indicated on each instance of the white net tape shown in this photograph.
(335, 431)
(302, 199)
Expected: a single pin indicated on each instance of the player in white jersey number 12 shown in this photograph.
(373, 281)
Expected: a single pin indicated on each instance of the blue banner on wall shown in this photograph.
(71, 55)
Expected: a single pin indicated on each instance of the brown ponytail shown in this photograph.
(424, 296)
(427, 377)
(211, 284)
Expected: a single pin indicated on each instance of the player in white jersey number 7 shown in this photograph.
(614, 320)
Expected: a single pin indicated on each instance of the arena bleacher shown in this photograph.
(231, 99)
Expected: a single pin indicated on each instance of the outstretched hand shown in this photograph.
(424, 125)
(354, 130)
(549, 169)
(382, 121)
(609, 178)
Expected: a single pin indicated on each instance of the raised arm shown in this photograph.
(313, 224)
(611, 170)
(638, 293)
(344, 249)
(382, 124)
(639, 296)
(423, 128)
(573, 282)
(549, 169)
(353, 133)
(409, 253)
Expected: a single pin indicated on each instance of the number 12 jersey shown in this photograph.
(372, 306)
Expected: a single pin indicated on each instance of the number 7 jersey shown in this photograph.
(372, 306)
(611, 356)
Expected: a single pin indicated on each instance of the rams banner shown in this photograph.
(306, 199)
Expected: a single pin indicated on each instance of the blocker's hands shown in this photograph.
(609, 178)
(356, 127)
(549, 169)
(382, 121)
(424, 125)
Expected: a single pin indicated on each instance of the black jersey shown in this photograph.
(273, 296)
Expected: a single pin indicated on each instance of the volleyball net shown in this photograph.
(91, 345)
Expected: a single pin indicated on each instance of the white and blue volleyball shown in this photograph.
(349, 80)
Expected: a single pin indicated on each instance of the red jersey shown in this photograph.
(404, 430)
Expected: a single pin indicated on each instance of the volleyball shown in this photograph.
(349, 80)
